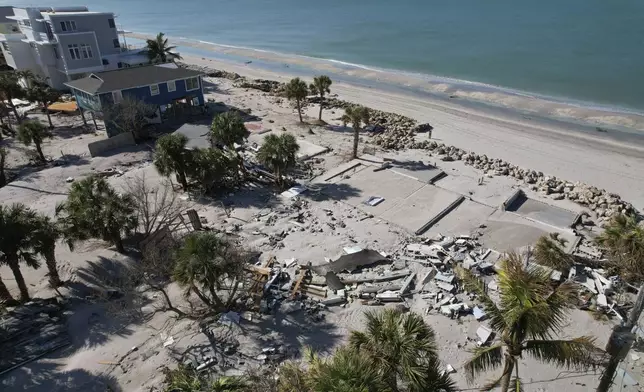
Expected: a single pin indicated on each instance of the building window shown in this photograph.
(106, 62)
(154, 89)
(74, 52)
(56, 52)
(172, 86)
(192, 84)
(195, 101)
(116, 42)
(117, 96)
(111, 22)
(68, 25)
(119, 64)
(87, 51)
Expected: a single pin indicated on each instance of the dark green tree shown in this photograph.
(17, 244)
(278, 153)
(321, 86)
(3, 161)
(159, 51)
(33, 131)
(228, 129)
(528, 316)
(297, 91)
(357, 116)
(40, 92)
(171, 156)
(94, 209)
(402, 348)
(46, 234)
(204, 264)
(11, 88)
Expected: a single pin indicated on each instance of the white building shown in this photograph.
(65, 43)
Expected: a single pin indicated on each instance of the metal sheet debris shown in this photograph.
(374, 201)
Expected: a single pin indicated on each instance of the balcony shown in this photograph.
(44, 37)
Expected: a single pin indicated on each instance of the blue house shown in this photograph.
(165, 86)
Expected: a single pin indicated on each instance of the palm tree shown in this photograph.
(17, 225)
(187, 379)
(204, 263)
(296, 90)
(347, 370)
(549, 251)
(171, 156)
(356, 115)
(10, 88)
(40, 92)
(529, 313)
(33, 131)
(403, 350)
(623, 240)
(5, 294)
(95, 210)
(278, 153)
(229, 129)
(46, 235)
(3, 160)
(158, 50)
(321, 86)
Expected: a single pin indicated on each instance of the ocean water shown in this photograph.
(583, 50)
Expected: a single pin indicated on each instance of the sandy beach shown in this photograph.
(127, 347)
(593, 158)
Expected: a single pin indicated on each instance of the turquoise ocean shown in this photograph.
(585, 51)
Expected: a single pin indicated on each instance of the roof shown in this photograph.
(125, 78)
(197, 135)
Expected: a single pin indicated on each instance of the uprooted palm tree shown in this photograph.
(356, 116)
(172, 156)
(549, 251)
(279, 153)
(321, 86)
(402, 348)
(94, 209)
(205, 263)
(529, 315)
(623, 241)
(33, 131)
(159, 51)
(297, 91)
(17, 226)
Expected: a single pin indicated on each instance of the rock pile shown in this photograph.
(267, 86)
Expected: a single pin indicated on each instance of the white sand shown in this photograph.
(596, 160)
(615, 167)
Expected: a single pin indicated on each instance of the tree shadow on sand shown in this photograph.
(40, 376)
(333, 192)
(228, 345)
(107, 300)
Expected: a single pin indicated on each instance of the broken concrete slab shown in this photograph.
(484, 334)
(350, 262)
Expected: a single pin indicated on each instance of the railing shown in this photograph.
(40, 36)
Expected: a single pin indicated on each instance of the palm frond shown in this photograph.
(516, 385)
(476, 285)
(483, 359)
(579, 353)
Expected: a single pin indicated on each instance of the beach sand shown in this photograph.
(595, 159)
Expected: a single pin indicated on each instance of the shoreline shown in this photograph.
(472, 95)
(554, 148)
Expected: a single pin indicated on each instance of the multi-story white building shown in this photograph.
(65, 43)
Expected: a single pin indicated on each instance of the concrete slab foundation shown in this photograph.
(423, 209)
(542, 212)
(464, 219)
(508, 231)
